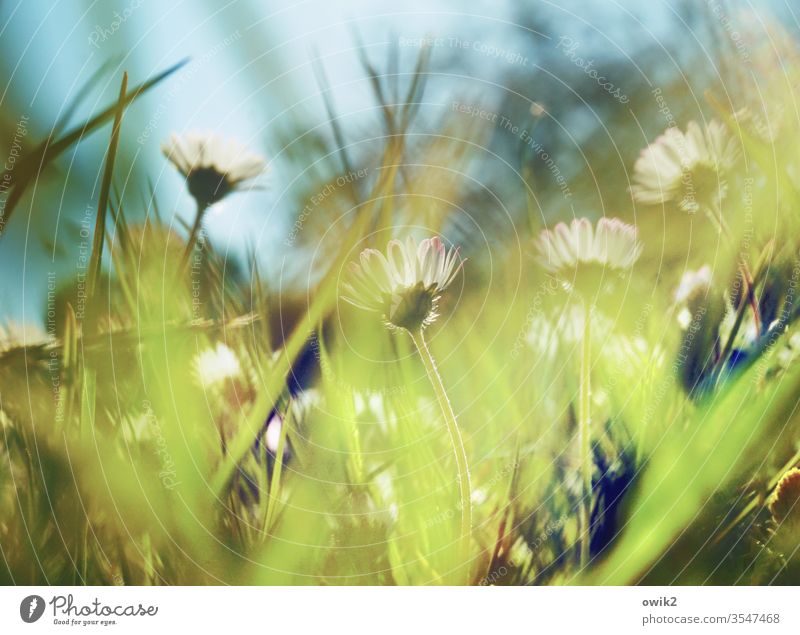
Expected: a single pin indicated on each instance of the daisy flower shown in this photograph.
(215, 366)
(405, 285)
(580, 254)
(789, 353)
(214, 167)
(784, 504)
(574, 249)
(15, 335)
(693, 283)
(692, 294)
(688, 168)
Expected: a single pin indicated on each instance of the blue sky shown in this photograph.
(250, 77)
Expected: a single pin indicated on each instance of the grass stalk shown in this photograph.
(584, 432)
(455, 440)
(105, 190)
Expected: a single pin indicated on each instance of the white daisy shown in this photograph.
(214, 167)
(15, 334)
(214, 366)
(273, 434)
(613, 244)
(691, 294)
(789, 353)
(405, 285)
(692, 283)
(689, 169)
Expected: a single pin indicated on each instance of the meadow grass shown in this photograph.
(183, 422)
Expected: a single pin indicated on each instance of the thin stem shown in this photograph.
(275, 482)
(716, 216)
(455, 440)
(584, 431)
(194, 234)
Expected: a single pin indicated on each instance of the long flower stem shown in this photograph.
(194, 234)
(455, 439)
(584, 430)
(744, 270)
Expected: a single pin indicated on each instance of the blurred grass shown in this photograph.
(322, 458)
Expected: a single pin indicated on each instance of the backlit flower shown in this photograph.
(789, 353)
(214, 366)
(612, 244)
(214, 167)
(784, 504)
(689, 169)
(693, 283)
(692, 294)
(15, 334)
(405, 285)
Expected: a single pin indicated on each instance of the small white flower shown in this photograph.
(693, 282)
(216, 365)
(612, 244)
(789, 353)
(214, 167)
(273, 433)
(692, 294)
(405, 285)
(689, 169)
(14, 335)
